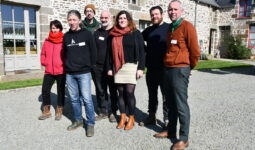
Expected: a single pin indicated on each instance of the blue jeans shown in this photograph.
(79, 88)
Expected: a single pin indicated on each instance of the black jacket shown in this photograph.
(133, 47)
(79, 51)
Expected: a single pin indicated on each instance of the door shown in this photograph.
(19, 38)
(212, 41)
(225, 32)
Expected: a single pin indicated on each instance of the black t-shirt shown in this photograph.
(155, 36)
(101, 37)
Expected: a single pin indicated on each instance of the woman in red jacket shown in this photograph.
(52, 60)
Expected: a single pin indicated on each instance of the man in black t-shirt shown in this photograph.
(155, 36)
(100, 77)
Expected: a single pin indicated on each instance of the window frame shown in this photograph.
(245, 8)
(27, 38)
(132, 2)
(249, 35)
(145, 23)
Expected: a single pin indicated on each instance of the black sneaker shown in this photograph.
(75, 125)
(90, 131)
(100, 117)
(151, 120)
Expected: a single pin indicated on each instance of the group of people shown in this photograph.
(116, 56)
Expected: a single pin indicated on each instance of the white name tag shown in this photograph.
(82, 44)
(101, 38)
(173, 41)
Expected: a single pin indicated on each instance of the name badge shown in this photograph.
(82, 44)
(173, 41)
(101, 38)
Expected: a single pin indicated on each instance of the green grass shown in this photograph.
(219, 64)
(207, 64)
(20, 84)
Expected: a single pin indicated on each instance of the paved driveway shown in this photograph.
(222, 106)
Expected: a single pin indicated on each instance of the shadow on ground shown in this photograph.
(241, 70)
(141, 116)
(68, 110)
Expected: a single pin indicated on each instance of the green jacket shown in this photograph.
(91, 27)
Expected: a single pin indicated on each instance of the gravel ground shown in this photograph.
(222, 118)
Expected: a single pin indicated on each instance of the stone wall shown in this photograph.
(139, 11)
(239, 26)
(203, 22)
(204, 17)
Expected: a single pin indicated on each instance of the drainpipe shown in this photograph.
(195, 19)
(2, 54)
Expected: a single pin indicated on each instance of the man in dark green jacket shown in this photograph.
(90, 22)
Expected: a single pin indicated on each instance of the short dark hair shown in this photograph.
(156, 7)
(57, 24)
(75, 13)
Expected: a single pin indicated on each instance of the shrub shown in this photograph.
(236, 49)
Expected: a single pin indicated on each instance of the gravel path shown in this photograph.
(222, 106)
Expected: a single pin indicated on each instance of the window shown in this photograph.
(252, 35)
(225, 31)
(143, 24)
(32, 30)
(132, 1)
(19, 29)
(245, 8)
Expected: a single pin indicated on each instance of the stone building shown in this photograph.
(238, 18)
(24, 24)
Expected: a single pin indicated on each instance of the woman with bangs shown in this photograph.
(53, 60)
(126, 63)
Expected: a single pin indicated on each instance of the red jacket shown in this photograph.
(52, 57)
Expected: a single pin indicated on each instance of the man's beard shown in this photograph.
(105, 24)
(159, 20)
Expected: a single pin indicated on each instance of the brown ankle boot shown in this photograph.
(122, 122)
(131, 123)
(46, 113)
(59, 112)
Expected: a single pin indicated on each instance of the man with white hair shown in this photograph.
(181, 56)
(100, 77)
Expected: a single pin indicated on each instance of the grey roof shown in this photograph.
(209, 2)
(218, 3)
(226, 3)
